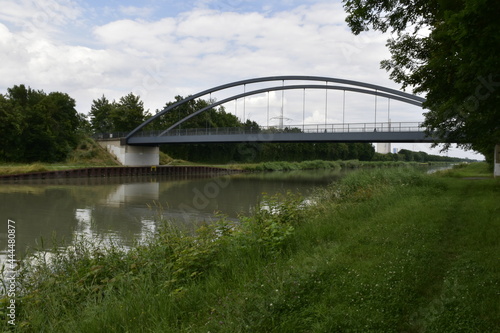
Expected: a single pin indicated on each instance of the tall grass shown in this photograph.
(12, 169)
(387, 250)
(479, 169)
(319, 164)
(89, 152)
(289, 166)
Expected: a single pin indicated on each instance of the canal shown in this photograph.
(127, 209)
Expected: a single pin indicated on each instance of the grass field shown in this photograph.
(386, 250)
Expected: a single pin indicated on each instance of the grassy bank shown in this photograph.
(87, 154)
(474, 170)
(320, 164)
(386, 250)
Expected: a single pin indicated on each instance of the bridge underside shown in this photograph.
(370, 137)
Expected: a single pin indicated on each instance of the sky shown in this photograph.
(159, 49)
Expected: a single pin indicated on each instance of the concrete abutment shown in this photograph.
(131, 155)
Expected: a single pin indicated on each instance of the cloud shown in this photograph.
(160, 51)
(134, 11)
(41, 12)
(194, 50)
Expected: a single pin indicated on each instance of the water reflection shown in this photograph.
(126, 209)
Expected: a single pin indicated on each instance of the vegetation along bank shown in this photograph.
(385, 250)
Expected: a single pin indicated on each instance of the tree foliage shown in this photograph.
(405, 155)
(447, 50)
(100, 115)
(36, 126)
(121, 116)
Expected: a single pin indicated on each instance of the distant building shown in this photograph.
(384, 148)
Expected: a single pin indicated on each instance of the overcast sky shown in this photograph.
(162, 48)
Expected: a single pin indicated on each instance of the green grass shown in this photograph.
(87, 154)
(317, 164)
(386, 250)
(12, 169)
(480, 169)
(90, 153)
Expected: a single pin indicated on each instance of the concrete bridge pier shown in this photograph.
(131, 155)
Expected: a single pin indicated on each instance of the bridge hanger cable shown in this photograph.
(326, 101)
(303, 109)
(268, 93)
(343, 108)
(282, 105)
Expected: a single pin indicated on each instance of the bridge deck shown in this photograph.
(379, 132)
(284, 137)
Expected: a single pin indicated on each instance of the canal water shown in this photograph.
(128, 209)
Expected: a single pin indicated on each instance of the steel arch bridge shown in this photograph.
(366, 132)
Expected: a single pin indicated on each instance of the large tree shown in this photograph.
(121, 116)
(128, 113)
(11, 129)
(447, 50)
(100, 115)
(36, 126)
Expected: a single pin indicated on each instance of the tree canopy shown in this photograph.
(447, 50)
(121, 116)
(36, 126)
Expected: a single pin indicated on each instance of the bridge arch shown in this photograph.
(347, 85)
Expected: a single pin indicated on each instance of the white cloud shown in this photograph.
(134, 11)
(186, 53)
(41, 12)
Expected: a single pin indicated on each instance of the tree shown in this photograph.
(11, 128)
(100, 115)
(38, 127)
(121, 116)
(128, 113)
(62, 122)
(455, 65)
(84, 125)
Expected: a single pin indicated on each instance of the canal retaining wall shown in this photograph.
(122, 172)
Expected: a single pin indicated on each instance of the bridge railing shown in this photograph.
(360, 127)
(303, 128)
(386, 127)
(109, 136)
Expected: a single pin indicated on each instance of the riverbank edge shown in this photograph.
(123, 172)
(215, 170)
